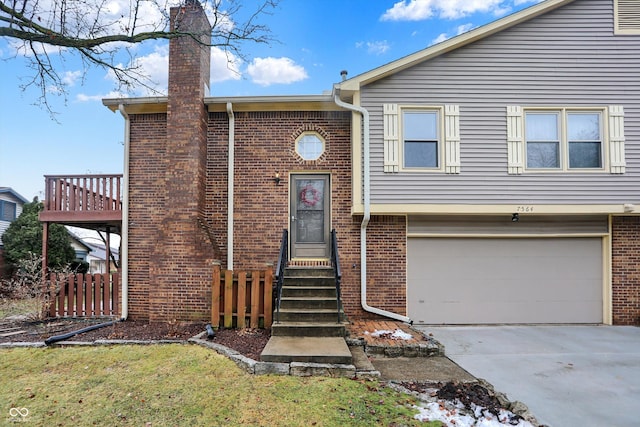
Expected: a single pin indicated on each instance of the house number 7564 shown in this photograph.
(524, 209)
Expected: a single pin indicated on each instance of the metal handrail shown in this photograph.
(335, 261)
(283, 260)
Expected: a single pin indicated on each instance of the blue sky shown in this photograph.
(316, 40)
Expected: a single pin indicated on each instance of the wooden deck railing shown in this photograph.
(242, 299)
(85, 295)
(82, 198)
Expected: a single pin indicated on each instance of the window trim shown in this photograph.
(310, 133)
(440, 146)
(2, 207)
(563, 113)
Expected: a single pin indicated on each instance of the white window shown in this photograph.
(310, 146)
(420, 138)
(565, 139)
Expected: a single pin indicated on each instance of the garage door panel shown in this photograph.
(514, 280)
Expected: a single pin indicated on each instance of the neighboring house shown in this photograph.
(81, 248)
(97, 259)
(94, 254)
(10, 208)
(491, 178)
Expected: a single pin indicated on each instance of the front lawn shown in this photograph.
(171, 385)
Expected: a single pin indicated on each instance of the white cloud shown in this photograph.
(375, 48)
(419, 10)
(268, 71)
(442, 37)
(224, 66)
(70, 78)
(378, 48)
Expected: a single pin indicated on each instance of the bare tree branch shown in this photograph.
(99, 31)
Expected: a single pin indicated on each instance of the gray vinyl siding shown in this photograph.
(5, 224)
(568, 57)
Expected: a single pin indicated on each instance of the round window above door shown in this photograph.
(310, 146)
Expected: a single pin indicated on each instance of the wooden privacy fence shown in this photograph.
(242, 299)
(84, 295)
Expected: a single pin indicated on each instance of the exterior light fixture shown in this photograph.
(515, 217)
(276, 179)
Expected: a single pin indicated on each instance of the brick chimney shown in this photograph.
(181, 263)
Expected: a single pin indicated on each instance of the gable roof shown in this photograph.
(355, 83)
(9, 190)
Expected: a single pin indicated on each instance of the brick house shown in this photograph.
(476, 181)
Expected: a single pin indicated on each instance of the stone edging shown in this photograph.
(298, 369)
(247, 364)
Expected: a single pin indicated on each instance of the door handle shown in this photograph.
(293, 218)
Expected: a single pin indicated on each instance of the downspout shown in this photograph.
(367, 212)
(230, 181)
(124, 243)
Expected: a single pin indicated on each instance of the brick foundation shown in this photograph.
(626, 270)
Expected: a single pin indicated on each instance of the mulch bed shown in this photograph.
(248, 342)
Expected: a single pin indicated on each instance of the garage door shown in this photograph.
(504, 280)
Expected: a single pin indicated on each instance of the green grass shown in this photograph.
(172, 385)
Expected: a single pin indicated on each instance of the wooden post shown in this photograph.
(215, 296)
(255, 298)
(242, 299)
(228, 298)
(107, 253)
(115, 288)
(268, 297)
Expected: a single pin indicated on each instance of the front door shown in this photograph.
(310, 216)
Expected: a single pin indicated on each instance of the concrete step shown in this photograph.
(307, 349)
(309, 291)
(309, 302)
(309, 281)
(315, 315)
(309, 271)
(307, 329)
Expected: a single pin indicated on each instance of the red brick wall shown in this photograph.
(264, 146)
(180, 264)
(626, 270)
(147, 160)
(387, 263)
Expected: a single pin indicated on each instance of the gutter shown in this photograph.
(230, 185)
(367, 212)
(124, 239)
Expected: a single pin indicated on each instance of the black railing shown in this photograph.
(335, 261)
(283, 260)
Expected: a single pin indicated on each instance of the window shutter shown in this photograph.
(515, 141)
(616, 139)
(452, 139)
(391, 138)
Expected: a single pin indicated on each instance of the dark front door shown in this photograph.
(310, 216)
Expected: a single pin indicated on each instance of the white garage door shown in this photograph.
(504, 280)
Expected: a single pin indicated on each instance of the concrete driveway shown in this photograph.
(566, 375)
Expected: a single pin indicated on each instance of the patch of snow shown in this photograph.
(454, 414)
(398, 334)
